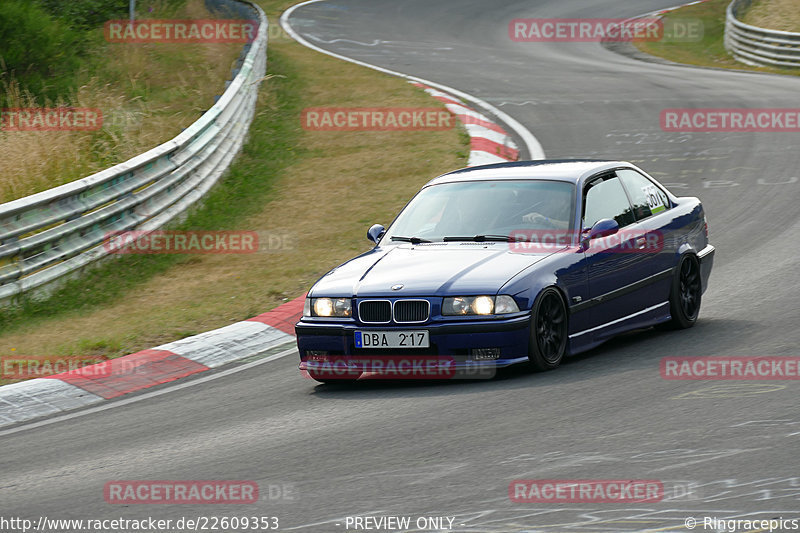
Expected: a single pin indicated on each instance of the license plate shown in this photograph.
(392, 339)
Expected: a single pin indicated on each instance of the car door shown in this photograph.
(615, 264)
(652, 210)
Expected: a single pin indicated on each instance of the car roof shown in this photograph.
(569, 170)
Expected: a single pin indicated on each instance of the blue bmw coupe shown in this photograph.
(517, 262)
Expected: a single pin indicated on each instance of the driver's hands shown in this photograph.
(534, 217)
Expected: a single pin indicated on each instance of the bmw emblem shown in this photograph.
(397, 287)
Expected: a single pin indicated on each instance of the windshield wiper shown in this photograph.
(481, 238)
(412, 240)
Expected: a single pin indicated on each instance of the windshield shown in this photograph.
(483, 208)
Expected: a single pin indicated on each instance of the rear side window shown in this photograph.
(646, 197)
(605, 198)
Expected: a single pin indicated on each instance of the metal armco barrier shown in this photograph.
(54, 233)
(759, 46)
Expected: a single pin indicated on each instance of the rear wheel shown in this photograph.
(548, 341)
(685, 294)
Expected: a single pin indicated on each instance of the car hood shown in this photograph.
(427, 270)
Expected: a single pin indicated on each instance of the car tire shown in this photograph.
(549, 331)
(685, 294)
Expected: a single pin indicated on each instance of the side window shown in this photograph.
(605, 198)
(647, 199)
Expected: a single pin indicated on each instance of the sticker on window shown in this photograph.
(654, 200)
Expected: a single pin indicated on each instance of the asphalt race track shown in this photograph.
(320, 453)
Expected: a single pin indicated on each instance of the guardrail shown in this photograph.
(759, 46)
(58, 232)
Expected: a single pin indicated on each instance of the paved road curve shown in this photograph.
(452, 449)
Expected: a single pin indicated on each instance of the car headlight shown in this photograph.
(328, 307)
(479, 305)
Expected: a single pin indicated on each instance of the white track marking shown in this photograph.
(148, 395)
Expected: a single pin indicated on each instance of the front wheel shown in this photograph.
(685, 294)
(548, 340)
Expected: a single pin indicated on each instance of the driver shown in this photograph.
(553, 213)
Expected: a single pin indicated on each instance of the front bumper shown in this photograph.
(452, 340)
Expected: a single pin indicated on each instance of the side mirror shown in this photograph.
(375, 232)
(602, 228)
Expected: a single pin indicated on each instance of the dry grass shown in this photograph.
(710, 50)
(33, 161)
(781, 15)
(339, 184)
(147, 93)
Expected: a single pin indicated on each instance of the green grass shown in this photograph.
(41, 52)
(709, 51)
(45, 43)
